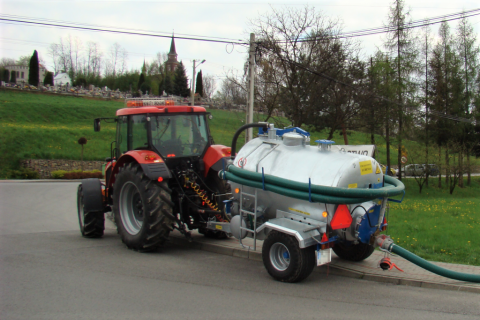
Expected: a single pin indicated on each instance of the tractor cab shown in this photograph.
(168, 130)
(178, 134)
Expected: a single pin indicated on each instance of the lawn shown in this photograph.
(436, 225)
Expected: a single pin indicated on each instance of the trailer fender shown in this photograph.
(92, 195)
(303, 232)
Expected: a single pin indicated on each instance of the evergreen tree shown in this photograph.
(33, 71)
(161, 87)
(167, 83)
(199, 84)
(13, 76)
(5, 75)
(400, 42)
(141, 81)
(180, 84)
(48, 80)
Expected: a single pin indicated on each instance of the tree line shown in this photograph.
(414, 87)
(86, 64)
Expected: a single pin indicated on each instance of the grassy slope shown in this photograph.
(438, 226)
(433, 224)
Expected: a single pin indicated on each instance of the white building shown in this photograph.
(22, 73)
(62, 79)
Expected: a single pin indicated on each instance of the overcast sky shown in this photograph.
(227, 19)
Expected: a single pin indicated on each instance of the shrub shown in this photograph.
(58, 174)
(78, 174)
(23, 173)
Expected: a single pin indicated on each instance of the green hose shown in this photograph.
(434, 268)
(317, 193)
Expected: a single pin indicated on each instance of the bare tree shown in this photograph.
(116, 61)
(297, 54)
(93, 59)
(6, 62)
(209, 86)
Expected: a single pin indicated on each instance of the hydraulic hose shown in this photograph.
(434, 268)
(316, 193)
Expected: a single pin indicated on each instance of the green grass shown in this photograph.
(40, 126)
(438, 226)
(435, 225)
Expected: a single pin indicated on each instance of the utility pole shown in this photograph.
(251, 79)
(192, 93)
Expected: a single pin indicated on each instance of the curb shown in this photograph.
(330, 269)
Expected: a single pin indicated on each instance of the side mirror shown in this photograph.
(210, 116)
(96, 125)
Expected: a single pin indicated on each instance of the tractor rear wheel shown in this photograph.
(142, 209)
(91, 224)
(285, 260)
(353, 252)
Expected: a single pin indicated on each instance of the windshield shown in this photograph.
(179, 135)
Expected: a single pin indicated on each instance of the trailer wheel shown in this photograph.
(353, 252)
(142, 209)
(285, 260)
(91, 224)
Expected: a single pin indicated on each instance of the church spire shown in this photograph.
(172, 46)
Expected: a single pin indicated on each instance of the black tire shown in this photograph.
(142, 209)
(284, 260)
(353, 252)
(91, 224)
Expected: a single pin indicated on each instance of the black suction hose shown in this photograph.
(240, 130)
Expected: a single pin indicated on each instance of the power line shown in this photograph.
(106, 27)
(385, 29)
(205, 39)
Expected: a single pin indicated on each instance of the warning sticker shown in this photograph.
(378, 170)
(366, 167)
(218, 227)
(352, 186)
(299, 211)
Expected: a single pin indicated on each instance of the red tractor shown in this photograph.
(162, 175)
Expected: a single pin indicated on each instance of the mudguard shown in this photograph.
(92, 195)
(215, 156)
(152, 164)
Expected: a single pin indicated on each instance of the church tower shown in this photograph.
(172, 63)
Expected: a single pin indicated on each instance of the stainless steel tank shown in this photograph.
(291, 157)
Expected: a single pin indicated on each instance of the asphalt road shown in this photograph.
(48, 271)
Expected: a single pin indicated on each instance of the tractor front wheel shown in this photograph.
(285, 260)
(91, 224)
(142, 209)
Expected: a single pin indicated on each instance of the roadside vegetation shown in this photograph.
(437, 225)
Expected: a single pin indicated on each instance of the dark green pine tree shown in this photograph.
(33, 71)
(161, 88)
(141, 81)
(180, 84)
(5, 75)
(13, 76)
(199, 84)
(48, 78)
(167, 83)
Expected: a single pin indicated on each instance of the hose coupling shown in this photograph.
(384, 242)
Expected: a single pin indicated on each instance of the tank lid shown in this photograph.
(293, 139)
